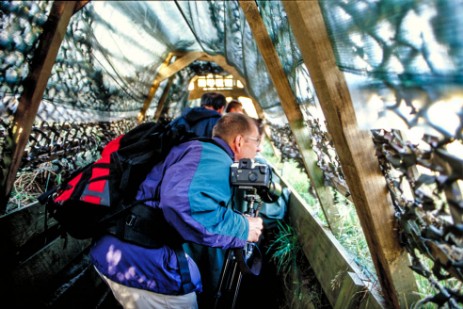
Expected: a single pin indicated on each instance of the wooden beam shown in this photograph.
(330, 262)
(179, 64)
(152, 91)
(166, 71)
(222, 61)
(80, 5)
(356, 153)
(34, 87)
(197, 93)
(162, 100)
(292, 110)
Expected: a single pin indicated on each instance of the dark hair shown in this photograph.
(213, 99)
(233, 104)
(230, 125)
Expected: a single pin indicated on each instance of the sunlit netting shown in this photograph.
(283, 140)
(423, 182)
(55, 150)
(177, 99)
(84, 76)
(20, 26)
(406, 62)
(402, 61)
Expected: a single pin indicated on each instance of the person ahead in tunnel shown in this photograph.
(191, 188)
(234, 106)
(201, 120)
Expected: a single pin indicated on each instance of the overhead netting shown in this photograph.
(402, 62)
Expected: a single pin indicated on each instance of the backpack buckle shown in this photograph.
(131, 220)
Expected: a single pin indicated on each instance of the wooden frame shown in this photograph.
(356, 153)
(34, 87)
(292, 111)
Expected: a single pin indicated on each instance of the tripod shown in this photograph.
(237, 263)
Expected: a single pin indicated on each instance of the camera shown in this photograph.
(247, 173)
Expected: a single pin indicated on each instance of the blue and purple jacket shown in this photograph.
(194, 194)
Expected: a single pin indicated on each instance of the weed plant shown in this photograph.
(351, 236)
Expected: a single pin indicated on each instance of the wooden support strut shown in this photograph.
(35, 83)
(165, 72)
(292, 111)
(356, 153)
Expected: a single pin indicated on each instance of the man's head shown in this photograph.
(234, 106)
(214, 100)
(241, 132)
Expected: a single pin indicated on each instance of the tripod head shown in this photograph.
(251, 198)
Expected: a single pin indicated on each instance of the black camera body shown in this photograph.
(247, 173)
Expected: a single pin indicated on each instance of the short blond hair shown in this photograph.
(233, 124)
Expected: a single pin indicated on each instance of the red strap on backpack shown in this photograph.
(96, 190)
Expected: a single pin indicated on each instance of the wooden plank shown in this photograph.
(152, 91)
(292, 111)
(178, 65)
(326, 255)
(222, 62)
(162, 100)
(34, 86)
(80, 5)
(36, 276)
(166, 71)
(197, 93)
(353, 293)
(356, 153)
(20, 226)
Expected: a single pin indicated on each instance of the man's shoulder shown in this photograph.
(198, 114)
(217, 145)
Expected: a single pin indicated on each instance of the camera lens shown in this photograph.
(252, 177)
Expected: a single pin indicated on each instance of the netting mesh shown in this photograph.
(402, 62)
(405, 62)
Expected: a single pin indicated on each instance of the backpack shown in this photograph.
(95, 198)
(100, 197)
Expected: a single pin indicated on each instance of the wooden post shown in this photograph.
(160, 107)
(356, 153)
(220, 60)
(166, 71)
(35, 83)
(291, 109)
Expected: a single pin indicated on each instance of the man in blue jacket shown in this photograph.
(201, 120)
(191, 188)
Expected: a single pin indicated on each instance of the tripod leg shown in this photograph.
(237, 288)
(225, 279)
(229, 284)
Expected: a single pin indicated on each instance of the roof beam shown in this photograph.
(234, 93)
(80, 5)
(356, 153)
(34, 87)
(291, 109)
(166, 71)
(162, 101)
(222, 62)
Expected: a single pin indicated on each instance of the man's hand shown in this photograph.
(255, 228)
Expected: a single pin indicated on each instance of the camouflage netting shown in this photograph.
(402, 61)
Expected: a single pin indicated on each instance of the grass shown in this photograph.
(351, 236)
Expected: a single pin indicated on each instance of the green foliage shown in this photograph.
(351, 236)
(284, 248)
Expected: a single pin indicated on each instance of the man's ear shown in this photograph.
(237, 143)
